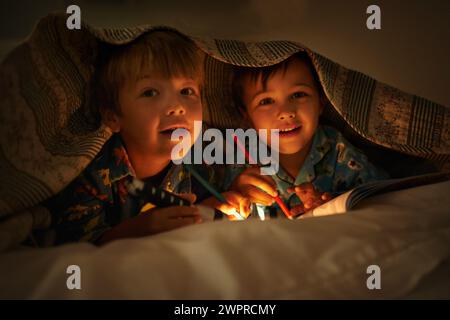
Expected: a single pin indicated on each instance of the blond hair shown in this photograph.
(165, 54)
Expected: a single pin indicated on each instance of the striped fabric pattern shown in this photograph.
(357, 100)
(426, 120)
(48, 136)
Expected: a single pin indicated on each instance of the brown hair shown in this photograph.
(164, 54)
(264, 73)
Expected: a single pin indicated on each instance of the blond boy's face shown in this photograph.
(290, 103)
(152, 108)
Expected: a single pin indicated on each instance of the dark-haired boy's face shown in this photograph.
(152, 108)
(290, 102)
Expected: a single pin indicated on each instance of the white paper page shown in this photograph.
(334, 206)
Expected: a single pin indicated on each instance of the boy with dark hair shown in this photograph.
(316, 162)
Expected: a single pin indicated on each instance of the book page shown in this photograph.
(348, 200)
(383, 186)
(334, 206)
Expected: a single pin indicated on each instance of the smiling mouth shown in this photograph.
(290, 131)
(170, 130)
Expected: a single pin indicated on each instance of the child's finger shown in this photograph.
(326, 196)
(299, 191)
(182, 211)
(245, 209)
(264, 183)
(306, 187)
(226, 208)
(308, 204)
(191, 197)
(312, 204)
(185, 221)
(256, 195)
(302, 194)
(297, 210)
(305, 194)
(233, 218)
(240, 203)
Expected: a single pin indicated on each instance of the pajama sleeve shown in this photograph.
(79, 212)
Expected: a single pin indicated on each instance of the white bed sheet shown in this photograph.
(406, 233)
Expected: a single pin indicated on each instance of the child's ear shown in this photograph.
(111, 119)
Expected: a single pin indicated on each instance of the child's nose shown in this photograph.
(286, 111)
(176, 110)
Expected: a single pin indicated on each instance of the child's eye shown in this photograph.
(265, 101)
(149, 93)
(298, 95)
(188, 92)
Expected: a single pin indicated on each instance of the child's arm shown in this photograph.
(153, 221)
(79, 211)
(84, 211)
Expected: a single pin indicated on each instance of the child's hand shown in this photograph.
(158, 220)
(256, 187)
(154, 221)
(169, 218)
(235, 201)
(191, 197)
(310, 197)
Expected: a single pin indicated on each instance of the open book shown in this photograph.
(349, 199)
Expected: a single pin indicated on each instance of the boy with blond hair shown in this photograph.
(145, 91)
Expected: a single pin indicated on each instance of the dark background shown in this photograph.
(410, 52)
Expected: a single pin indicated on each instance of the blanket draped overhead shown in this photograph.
(49, 133)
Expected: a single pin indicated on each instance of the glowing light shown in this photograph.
(235, 214)
(260, 211)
